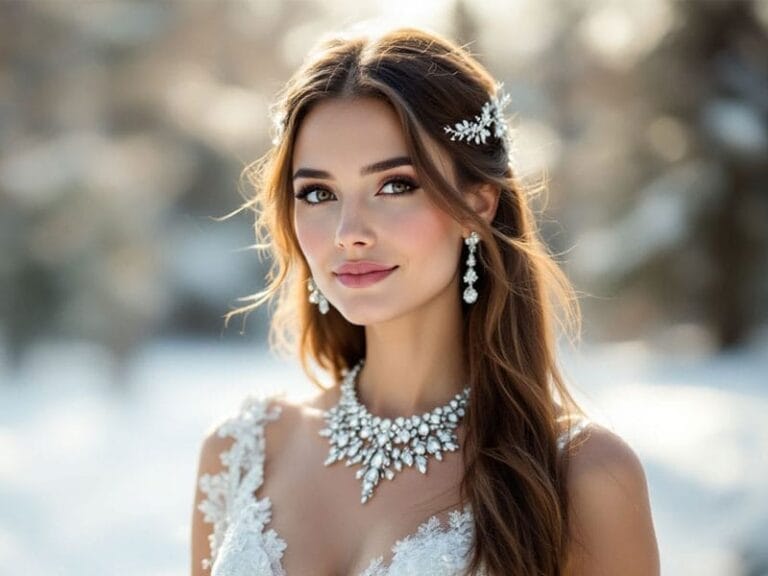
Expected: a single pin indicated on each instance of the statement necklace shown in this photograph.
(381, 446)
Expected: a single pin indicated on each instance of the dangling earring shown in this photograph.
(470, 277)
(316, 297)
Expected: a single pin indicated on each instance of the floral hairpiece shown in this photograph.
(477, 130)
(278, 125)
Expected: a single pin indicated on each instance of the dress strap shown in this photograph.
(574, 429)
(242, 471)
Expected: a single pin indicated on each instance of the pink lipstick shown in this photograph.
(362, 273)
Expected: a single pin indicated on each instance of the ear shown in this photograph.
(484, 199)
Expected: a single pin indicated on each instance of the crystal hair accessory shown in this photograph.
(278, 125)
(491, 117)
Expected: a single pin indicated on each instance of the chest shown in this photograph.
(316, 509)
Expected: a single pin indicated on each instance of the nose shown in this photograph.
(354, 227)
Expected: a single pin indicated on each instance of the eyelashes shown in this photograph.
(314, 194)
(310, 193)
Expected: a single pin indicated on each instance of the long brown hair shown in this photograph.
(515, 475)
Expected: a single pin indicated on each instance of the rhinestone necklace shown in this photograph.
(381, 446)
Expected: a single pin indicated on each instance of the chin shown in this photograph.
(366, 315)
(363, 319)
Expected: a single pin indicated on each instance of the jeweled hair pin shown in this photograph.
(491, 117)
(278, 125)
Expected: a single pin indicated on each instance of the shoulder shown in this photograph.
(609, 509)
(259, 415)
(243, 425)
(228, 446)
(212, 446)
(266, 423)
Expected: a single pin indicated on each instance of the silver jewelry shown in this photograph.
(470, 276)
(317, 297)
(381, 446)
(278, 125)
(492, 114)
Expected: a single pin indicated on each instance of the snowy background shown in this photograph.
(124, 128)
(95, 481)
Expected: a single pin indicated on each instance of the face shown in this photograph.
(359, 207)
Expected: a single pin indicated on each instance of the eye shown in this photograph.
(314, 194)
(399, 186)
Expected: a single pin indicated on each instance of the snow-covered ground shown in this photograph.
(96, 481)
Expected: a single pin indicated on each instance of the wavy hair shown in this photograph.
(514, 474)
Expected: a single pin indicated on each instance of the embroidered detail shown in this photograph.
(432, 550)
(246, 549)
(229, 504)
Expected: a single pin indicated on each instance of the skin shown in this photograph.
(412, 325)
(412, 318)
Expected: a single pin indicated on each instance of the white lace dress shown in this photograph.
(240, 545)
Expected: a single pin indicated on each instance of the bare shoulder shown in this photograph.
(284, 430)
(610, 515)
(220, 436)
(213, 444)
(599, 449)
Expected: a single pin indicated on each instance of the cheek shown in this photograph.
(311, 233)
(430, 243)
(428, 234)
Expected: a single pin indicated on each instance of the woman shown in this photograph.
(406, 265)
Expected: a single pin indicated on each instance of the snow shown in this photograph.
(99, 479)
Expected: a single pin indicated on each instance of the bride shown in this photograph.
(407, 266)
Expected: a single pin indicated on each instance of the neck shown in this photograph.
(414, 363)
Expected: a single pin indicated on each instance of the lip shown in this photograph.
(361, 267)
(362, 273)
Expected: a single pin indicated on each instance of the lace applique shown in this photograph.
(431, 550)
(238, 518)
(248, 550)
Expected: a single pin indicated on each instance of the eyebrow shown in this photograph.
(370, 169)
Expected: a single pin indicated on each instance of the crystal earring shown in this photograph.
(470, 276)
(317, 297)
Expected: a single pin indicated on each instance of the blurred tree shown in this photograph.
(666, 163)
(465, 30)
(124, 125)
(712, 75)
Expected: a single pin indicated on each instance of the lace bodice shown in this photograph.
(240, 546)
